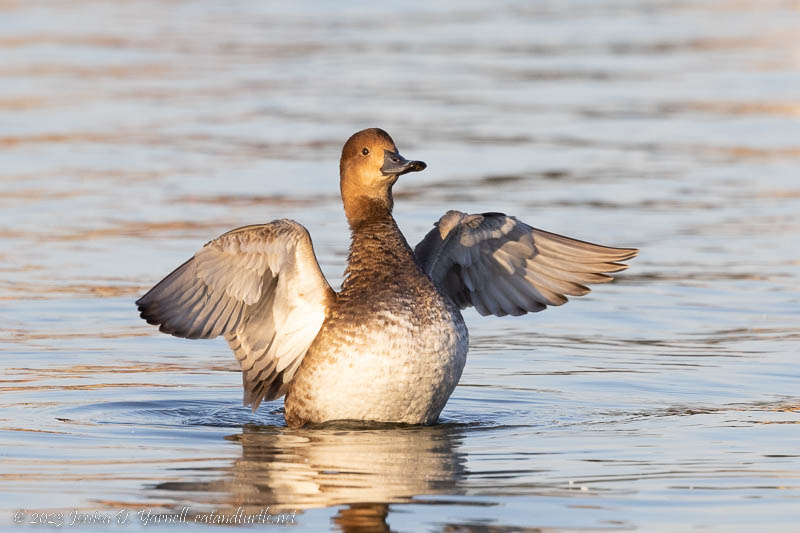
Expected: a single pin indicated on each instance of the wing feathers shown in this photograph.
(482, 308)
(574, 281)
(259, 286)
(580, 249)
(503, 266)
(515, 301)
(583, 269)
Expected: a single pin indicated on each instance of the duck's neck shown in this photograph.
(377, 248)
(364, 203)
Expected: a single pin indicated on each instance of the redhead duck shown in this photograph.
(391, 344)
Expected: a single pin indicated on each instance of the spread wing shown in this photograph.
(259, 286)
(505, 267)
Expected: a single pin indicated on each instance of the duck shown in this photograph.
(391, 344)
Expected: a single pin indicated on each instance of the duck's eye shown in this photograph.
(365, 151)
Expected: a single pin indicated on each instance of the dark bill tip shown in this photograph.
(416, 166)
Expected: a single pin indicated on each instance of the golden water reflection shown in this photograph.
(363, 469)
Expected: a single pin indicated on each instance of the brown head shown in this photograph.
(370, 165)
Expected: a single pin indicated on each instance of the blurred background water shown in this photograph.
(133, 132)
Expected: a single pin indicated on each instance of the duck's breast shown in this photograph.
(393, 358)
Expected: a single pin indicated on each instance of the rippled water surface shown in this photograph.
(133, 132)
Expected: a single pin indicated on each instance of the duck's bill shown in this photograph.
(395, 164)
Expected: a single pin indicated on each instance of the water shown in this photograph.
(133, 132)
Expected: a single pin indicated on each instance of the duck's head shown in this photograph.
(370, 165)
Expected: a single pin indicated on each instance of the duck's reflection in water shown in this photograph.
(366, 469)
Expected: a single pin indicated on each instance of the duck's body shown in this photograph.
(391, 345)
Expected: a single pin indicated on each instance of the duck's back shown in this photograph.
(392, 347)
